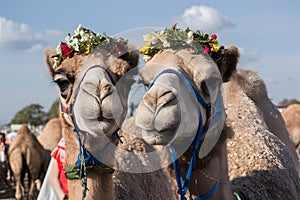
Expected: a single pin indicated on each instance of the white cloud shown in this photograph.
(18, 36)
(247, 56)
(206, 18)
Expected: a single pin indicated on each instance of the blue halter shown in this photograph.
(183, 184)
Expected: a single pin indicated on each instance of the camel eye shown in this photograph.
(63, 84)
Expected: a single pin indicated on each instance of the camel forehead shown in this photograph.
(71, 65)
(199, 66)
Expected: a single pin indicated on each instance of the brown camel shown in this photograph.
(26, 155)
(159, 115)
(260, 162)
(97, 107)
(51, 134)
(291, 116)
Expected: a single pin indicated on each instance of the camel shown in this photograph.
(51, 134)
(26, 154)
(99, 111)
(291, 116)
(159, 116)
(259, 148)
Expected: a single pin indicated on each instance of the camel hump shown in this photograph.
(24, 130)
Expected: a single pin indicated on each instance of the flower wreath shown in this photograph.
(175, 37)
(84, 41)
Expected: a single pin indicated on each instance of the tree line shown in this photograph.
(34, 114)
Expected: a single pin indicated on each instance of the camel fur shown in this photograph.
(259, 163)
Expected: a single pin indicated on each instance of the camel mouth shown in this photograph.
(155, 137)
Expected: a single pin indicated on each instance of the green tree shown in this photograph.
(53, 111)
(289, 101)
(32, 114)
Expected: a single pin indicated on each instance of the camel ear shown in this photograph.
(228, 64)
(50, 61)
(125, 62)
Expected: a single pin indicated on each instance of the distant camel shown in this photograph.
(26, 154)
(51, 134)
(291, 116)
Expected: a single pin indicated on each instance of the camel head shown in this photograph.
(168, 109)
(86, 69)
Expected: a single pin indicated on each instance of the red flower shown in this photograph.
(214, 36)
(207, 49)
(65, 49)
(174, 26)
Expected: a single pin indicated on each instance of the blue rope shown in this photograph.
(208, 194)
(183, 185)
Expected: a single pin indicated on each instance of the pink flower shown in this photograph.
(115, 47)
(214, 36)
(65, 49)
(207, 49)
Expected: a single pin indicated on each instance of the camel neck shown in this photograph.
(204, 179)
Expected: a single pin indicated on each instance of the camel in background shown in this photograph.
(291, 116)
(26, 155)
(51, 134)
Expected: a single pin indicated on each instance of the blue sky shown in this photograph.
(266, 32)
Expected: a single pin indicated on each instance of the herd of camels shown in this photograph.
(254, 156)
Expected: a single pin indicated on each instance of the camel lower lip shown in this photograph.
(157, 137)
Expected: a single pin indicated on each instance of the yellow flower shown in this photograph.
(145, 49)
(215, 47)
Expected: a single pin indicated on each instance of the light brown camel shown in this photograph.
(260, 162)
(67, 75)
(291, 116)
(100, 105)
(51, 134)
(159, 116)
(168, 105)
(26, 155)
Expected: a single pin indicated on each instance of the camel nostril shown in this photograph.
(165, 97)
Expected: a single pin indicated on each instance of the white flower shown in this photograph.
(154, 40)
(190, 35)
(77, 30)
(85, 37)
(75, 44)
(146, 58)
(58, 49)
(166, 44)
(81, 32)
